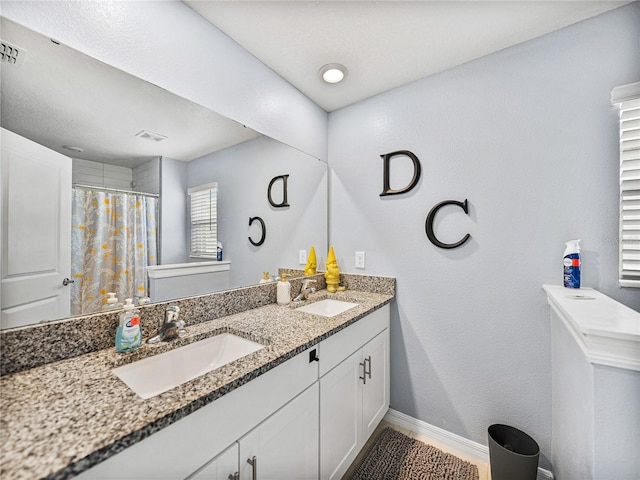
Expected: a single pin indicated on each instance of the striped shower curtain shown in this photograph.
(113, 239)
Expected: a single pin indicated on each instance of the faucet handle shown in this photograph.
(181, 329)
(171, 313)
(307, 281)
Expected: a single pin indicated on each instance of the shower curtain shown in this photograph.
(113, 239)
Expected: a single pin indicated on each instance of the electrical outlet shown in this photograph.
(302, 257)
(359, 259)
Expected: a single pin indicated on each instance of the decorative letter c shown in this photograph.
(429, 223)
(264, 231)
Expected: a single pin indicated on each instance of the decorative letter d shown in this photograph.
(386, 189)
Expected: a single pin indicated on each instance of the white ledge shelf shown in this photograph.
(183, 269)
(607, 331)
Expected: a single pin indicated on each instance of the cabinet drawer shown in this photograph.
(339, 346)
(183, 447)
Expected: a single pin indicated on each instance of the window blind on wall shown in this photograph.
(627, 98)
(204, 221)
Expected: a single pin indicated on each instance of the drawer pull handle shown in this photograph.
(254, 465)
(366, 372)
(313, 356)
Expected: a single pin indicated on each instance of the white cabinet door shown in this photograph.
(340, 417)
(375, 392)
(223, 467)
(36, 232)
(354, 397)
(285, 446)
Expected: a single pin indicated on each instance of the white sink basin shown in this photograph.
(155, 375)
(327, 307)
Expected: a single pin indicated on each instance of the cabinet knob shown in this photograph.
(234, 476)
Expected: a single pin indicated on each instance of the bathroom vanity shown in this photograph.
(301, 407)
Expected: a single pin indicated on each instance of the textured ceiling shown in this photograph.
(58, 96)
(383, 44)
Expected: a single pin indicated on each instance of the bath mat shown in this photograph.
(394, 456)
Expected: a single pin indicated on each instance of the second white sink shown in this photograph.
(154, 375)
(328, 307)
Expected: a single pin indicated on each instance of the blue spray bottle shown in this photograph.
(572, 264)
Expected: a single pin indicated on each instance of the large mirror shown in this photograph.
(115, 141)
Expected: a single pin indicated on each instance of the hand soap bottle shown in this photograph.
(129, 333)
(112, 303)
(284, 291)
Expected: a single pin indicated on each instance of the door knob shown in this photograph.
(67, 281)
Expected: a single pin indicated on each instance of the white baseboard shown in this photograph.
(449, 441)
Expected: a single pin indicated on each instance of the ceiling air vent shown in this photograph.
(11, 54)
(156, 137)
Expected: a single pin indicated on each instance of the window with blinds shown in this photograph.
(627, 98)
(204, 222)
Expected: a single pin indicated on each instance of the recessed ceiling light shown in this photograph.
(333, 73)
(73, 149)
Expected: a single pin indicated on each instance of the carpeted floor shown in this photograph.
(394, 456)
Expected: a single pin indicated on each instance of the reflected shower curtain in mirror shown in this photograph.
(113, 239)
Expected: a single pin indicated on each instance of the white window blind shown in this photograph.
(204, 221)
(627, 98)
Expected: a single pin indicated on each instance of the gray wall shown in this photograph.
(243, 173)
(528, 136)
(147, 176)
(174, 231)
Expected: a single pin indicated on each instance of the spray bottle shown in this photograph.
(572, 264)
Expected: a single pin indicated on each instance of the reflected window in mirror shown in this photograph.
(204, 222)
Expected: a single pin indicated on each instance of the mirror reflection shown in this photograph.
(97, 171)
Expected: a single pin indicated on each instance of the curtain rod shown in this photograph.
(115, 190)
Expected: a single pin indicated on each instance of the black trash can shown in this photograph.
(513, 454)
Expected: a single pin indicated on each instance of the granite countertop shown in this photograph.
(64, 417)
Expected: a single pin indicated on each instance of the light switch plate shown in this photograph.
(359, 259)
(302, 257)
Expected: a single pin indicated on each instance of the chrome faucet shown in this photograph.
(306, 290)
(172, 328)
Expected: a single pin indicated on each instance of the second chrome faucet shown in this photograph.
(306, 290)
(172, 327)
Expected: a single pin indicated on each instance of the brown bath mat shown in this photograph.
(394, 456)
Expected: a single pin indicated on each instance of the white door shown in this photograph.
(285, 446)
(223, 467)
(36, 232)
(375, 393)
(340, 417)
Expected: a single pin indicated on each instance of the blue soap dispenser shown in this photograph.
(129, 332)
